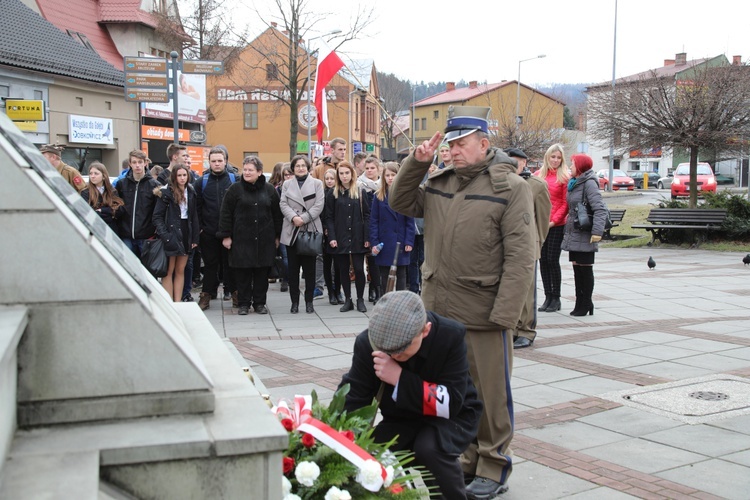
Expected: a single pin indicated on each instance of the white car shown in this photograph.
(665, 182)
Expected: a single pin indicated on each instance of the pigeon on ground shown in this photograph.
(651, 263)
(746, 259)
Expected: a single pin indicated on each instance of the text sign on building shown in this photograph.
(24, 110)
(90, 130)
(146, 80)
(163, 133)
(145, 65)
(146, 95)
(203, 67)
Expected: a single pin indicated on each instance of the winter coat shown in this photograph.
(558, 197)
(578, 240)
(479, 238)
(441, 361)
(109, 216)
(167, 215)
(211, 198)
(139, 201)
(542, 207)
(250, 215)
(163, 177)
(307, 202)
(388, 227)
(347, 222)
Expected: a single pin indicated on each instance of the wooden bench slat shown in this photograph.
(661, 219)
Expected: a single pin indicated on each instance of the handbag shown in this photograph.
(154, 257)
(308, 242)
(584, 215)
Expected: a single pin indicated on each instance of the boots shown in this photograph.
(554, 305)
(348, 305)
(377, 295)
(371, 295)
(586, 278)
(204, 301)
(577, 282)
(361, 306)
(545, 304)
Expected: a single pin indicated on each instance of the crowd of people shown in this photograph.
(465, 224)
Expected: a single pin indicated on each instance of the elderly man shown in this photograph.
(53, 154)
(417, 361)
(479, 263)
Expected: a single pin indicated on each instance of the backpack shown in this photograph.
(205, 180)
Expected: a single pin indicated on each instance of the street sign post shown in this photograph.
(203, 67)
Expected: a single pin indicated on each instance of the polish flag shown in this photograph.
(329, 64)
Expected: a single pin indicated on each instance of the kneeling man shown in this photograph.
(428, 397)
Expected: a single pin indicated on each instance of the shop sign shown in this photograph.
(90, 130)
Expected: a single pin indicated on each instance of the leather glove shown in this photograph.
(595, 238)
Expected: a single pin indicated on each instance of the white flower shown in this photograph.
(370, 476)
(307, 472)
(291, 496)
(389, 476)
(337, 494)
(286, 486)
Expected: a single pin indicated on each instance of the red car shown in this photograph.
(620, 180)
(706, 180)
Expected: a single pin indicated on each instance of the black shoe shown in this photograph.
(482, 488)
(188, 298)
(348, 306)
(554, 305)
(295, 308)
(284, 286)
(340, 298)
(261, 309)
(332, 299)
(244, 310)
(309, 309)
(377, 295)
(361, 306)
(227, 296)
(522, 342)
(545, 305)
(372, 294)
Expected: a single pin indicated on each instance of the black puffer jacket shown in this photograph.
(167, 221)
(111, 217)
(348, 222)
(251, 216)
(139, 201)
(211, 198)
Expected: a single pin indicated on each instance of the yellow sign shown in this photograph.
(20, 110)
(27, 126)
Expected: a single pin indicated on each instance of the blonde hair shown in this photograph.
(390, 166)
(332, 171)
(563, 171)
(353, 190)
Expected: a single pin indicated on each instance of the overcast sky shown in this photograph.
(483, 40)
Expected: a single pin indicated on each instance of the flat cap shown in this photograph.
(516, 152)
(396, 319)
(52, 148)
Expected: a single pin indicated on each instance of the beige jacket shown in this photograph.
(480, 241)
(542, 209)
(307, 202)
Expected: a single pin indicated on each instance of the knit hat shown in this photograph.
(396, 319)
(444, 145)
(52, 148)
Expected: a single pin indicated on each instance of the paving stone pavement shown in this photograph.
(686, 320)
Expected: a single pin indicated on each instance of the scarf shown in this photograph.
(572, 183)
(301, 180)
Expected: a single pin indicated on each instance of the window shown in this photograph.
(272, 72)
(4, 91)
(81, 158)
(108, 105)
(38, 95)
(435, 115)
(424, 123)
(80, 37)
(159, 53)
(416, 124)
(79, 101)
(250, 110)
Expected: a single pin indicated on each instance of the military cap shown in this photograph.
(54, 149)
(465, 120)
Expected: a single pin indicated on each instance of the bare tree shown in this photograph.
(397, 97)
(707, 108)
(280, 54)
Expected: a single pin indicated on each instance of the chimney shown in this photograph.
(273, 24)
(450, 86)
(668, 62)
(737, 60)
(680, 59)
(473, 84)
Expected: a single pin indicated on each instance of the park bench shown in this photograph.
(615, 215)
(662, 220)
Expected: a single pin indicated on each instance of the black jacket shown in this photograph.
(111, 217)
(251, 216)
(139, 201)
(348, 222)
(210, 199)
(164, 175)
(441, 360)
(168, 224)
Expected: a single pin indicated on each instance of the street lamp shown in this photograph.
(309, 131)
(518, 86)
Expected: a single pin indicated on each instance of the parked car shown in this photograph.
(665, 182)
(637, 176)
(619, 180)
(680, 185)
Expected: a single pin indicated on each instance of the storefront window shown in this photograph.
(81, 158)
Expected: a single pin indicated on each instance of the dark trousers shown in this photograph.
(422, 440)
(307, 263)
(549, 263)
(188, 275)
(400, 278)
(331, 275)
(215, 255)
(252, 285)
(284, 271)
(358, 263)
(374, 271)
(415, 264)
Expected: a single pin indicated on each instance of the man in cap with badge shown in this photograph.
(53, 153)
(479, 263)
(525, 332)
(415, 361)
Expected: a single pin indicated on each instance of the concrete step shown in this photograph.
(13, 321)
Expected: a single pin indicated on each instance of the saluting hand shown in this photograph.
(426, 151)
